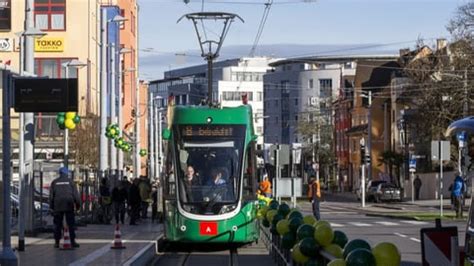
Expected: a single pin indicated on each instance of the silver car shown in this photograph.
(387, 192)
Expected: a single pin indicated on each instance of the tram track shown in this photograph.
(229, 257)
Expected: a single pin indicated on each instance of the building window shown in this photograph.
(122, 23)
(325, 87)
(310, 83)
(132, 23)
(50, 15)
(296, 118)
(52, 68)
(259, 96)
(296, 102)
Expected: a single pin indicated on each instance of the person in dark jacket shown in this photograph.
(457, 193)
(63, 201)
(119, 196)
(134, 201)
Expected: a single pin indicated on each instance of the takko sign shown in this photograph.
(49, 44)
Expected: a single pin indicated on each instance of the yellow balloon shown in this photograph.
(69, 124)
(337, 262)
(70, 115)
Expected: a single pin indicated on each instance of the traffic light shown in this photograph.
(362, 154)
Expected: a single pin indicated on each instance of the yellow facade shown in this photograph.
(79, 40)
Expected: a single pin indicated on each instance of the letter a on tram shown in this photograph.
(208, 228)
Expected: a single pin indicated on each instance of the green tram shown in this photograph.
(209, 189)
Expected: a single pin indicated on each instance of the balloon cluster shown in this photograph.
(67, 120)
(113, 131)
(305, 237)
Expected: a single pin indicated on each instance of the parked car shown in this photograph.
(387, 192)
(372, 188)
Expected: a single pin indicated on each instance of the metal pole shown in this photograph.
(151, 145)
(440, 178)
(412, 187)
(7, 256)
(113, 101)
(21, 163)
(120, 122)
(363, 185)
(158, 143)
(277, 172)
(385, 133)
(209, 79)
(66, 131)
(103, 96)
(369, 138)
(137, 164)
(29, 118)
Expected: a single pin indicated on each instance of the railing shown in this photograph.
(282, 257)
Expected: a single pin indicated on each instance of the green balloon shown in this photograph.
(355, 244)
(142, 152)
(62, 126)
(295, 222)
(77, 119)
(309, 247)
(340, 238)
(295, 214)
(304, 231)
(360, 257)
(61, 114)
(288, 240)
(60, 120)
(284, 209)
(274, 205)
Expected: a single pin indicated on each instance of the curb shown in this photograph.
(143, 256)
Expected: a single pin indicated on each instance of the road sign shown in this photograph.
(412, 165)
(439, 246)
(45, 95)
(445, 149)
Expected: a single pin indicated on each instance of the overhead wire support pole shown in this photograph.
(197, 17)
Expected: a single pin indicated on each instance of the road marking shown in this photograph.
(398, 234)
(96, 254)
(387, 223)
(336, 225)
(360, 224)
(415, 239)
(414, 222)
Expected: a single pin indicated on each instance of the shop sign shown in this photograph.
(49, 44)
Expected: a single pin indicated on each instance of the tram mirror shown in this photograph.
(166, 134)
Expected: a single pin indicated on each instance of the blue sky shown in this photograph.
(393, 23)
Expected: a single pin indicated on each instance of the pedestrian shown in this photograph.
(134, 201)
(457, 193)
(63, 202)
(145, 192)
(105, 201)
(417, 183)
(265, 186)
(119, 196)
(154, 205)
(314, 196)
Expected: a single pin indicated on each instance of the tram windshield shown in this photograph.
(209, 162)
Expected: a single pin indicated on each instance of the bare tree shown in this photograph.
(84, 145)
(460, 26)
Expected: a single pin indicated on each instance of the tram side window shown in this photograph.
(170, 180)
(249, 183)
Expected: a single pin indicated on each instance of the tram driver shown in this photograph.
(192, 183)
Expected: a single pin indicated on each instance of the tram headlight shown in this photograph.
(227, 208)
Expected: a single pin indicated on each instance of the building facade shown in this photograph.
(232, 80)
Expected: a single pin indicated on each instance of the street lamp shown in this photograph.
(29, 32)
(103, 89)
(77, 65)
(120, 109)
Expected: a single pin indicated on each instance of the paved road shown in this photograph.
(404, 233)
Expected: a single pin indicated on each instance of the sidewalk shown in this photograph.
(95, 241)
(392, 209)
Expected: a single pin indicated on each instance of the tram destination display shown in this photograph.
(212, 131)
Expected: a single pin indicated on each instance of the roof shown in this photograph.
(333, 58)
